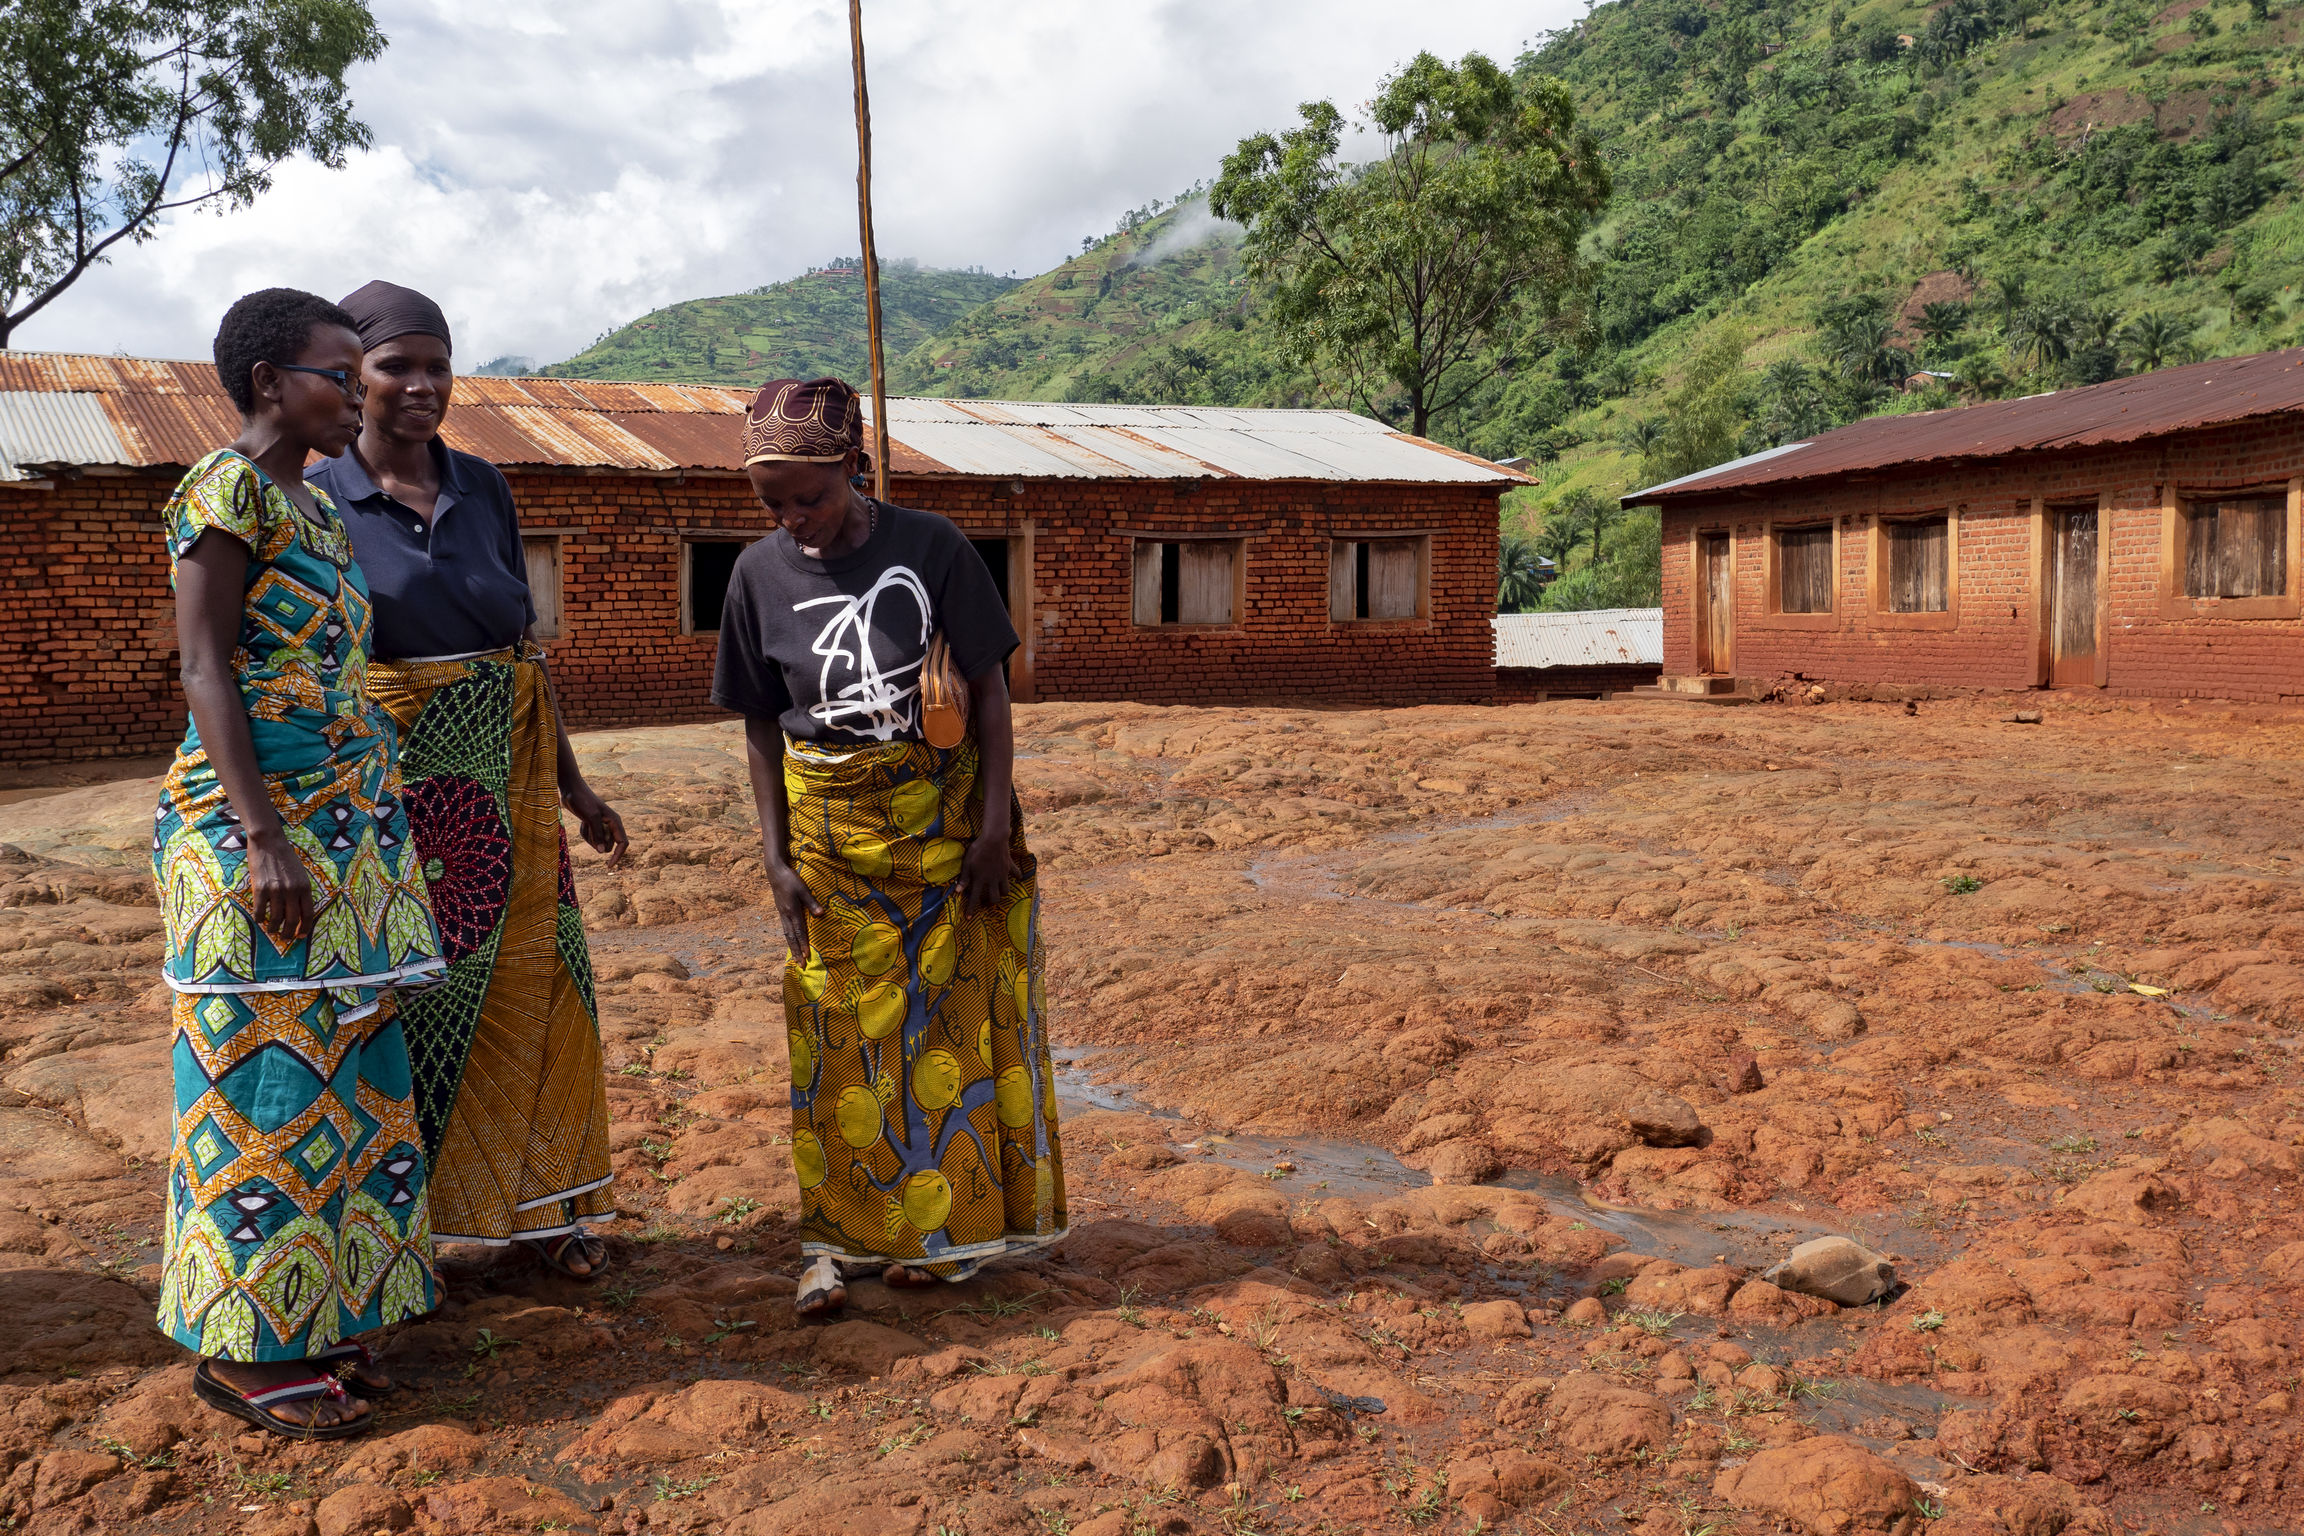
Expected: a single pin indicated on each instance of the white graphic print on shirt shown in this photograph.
(878, 704)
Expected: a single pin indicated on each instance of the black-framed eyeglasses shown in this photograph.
(349, 383)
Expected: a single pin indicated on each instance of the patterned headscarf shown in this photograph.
(818, 422)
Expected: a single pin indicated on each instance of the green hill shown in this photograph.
(804, 328)
(1157, 312)
(2022, 195)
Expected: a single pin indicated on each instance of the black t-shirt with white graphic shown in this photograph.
(832, 648)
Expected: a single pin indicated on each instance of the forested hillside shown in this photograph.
(1157, 311)
(805, 328)
(1822, 211)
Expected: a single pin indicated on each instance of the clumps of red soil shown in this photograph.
(1648, 994)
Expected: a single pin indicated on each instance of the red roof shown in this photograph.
(2212, 394)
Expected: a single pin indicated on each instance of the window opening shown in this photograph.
(710, 563)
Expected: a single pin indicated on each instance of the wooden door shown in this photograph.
(1716, 606)
(2072, 606)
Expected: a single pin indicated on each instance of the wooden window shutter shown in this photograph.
(1147, 581)
(1204, 593)
(542, 553)
(1392, 573)
(1342, 561)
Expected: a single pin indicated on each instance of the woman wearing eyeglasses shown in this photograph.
(510, 1091)
(294, 905)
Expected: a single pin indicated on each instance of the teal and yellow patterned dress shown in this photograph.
(296, 1189)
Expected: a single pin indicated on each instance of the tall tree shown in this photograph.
(118, 112)
(1704, 416)
(1410, 276)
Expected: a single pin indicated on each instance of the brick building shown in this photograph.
(2138, 537)
(1162, 554)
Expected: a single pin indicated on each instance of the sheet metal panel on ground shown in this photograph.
(1598, 637)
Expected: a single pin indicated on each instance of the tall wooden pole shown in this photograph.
(871, 257)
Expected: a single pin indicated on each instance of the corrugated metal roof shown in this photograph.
(165, 413)
(1598, 637)
(41, 428)
(2211, 394)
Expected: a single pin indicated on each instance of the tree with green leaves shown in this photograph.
(1519, 572)
(1408, 279)
(1704, 416)
(117, 113)
(2155, 339)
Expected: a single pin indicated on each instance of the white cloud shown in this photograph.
(548, 172)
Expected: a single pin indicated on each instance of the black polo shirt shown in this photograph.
(460, 585)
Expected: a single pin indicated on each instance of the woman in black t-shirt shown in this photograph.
(923, 1103)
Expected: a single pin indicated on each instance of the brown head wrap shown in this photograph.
(818, 422)
(384, 310)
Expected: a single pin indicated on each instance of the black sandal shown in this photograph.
(254, 1407)
(344, 1357)
(553, 1251)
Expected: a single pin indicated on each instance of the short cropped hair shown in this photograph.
(271, 325)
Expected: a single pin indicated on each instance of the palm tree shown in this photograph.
(1860, 344)
(1980, 378)
(2043, 334)
(2008, 297)
(1640, 436)
(1943, 320)
(1519, 573)
(2155, 339)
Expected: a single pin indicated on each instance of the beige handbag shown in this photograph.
(943, 697)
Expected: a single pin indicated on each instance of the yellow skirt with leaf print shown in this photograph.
(923, 1102)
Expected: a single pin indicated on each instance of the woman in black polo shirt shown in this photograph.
(506, 1053)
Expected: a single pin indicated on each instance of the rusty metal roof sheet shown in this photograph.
(166, 413)
(38, 427)
(1599, 637)
(2211, 394)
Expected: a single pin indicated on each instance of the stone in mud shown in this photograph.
(362, 1509)
(1758, 1301)
(868, 1349)
(2131, 1196)
(2032, 1506)
(489, 1504)
(66, 1475)
(1496, 1320)
(1467, 1161)
(2132, 1417)
(431, 1448)
(1605, 1422)
(1838, 1269)
(1585, 1312)
(1824, 1486)
(1664, 1120)
(1744, 1073)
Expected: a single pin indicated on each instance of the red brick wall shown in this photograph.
(87, 644)
(1995, 639)
(87, 623)
(1532, 685)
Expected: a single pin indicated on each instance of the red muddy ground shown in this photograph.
(1374, 1002)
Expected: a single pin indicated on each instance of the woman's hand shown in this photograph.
(279, 884)
(985, 872)
(794, 906)
(603, 829)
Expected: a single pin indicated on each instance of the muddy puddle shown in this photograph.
(1324, 1167)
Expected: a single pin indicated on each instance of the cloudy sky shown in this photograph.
(551, 170)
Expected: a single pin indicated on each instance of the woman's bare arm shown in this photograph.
(211, 595)
(987, 869)
(764, 761)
